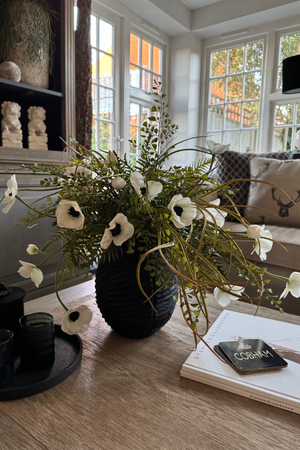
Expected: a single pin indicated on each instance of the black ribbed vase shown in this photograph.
(123, 306)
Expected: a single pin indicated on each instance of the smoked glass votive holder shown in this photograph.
(37, 337)
(6, 356)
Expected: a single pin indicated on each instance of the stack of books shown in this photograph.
(280, 387)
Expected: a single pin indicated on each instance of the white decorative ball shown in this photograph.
(10, 71)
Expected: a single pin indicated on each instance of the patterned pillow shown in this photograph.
(271, 205)
(234, 165)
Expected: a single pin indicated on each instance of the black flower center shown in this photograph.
(74, 316)
(178, 210)
(116, 231)
(143, 191)
(10, 194)
(72, 212)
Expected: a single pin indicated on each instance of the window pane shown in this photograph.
(134, 77)
(248, 141)
(236, 60)
(133, 135)
(106, 37)
(250, 114)
(106, 103)
(284, 114)
(298, 113)
(252, 85)
(94, 66)
(134, 49)
(157, 60)
(215, 117)
(145, 54)
(134, 113)
(289, 46)
(234, 88)
(93, 31)
(146, 77)
(233, 116)
(279, 78)
(282, 139)
(232, 137)
(94, 99)
(145, 114)
(106, 133)
(94, 135)
(217, 91)
(254, 55)
(218, 63)
(105, 70)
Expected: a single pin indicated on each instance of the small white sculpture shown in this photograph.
(37, 136)
(11, 126)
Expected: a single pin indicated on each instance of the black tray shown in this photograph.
(68, 352)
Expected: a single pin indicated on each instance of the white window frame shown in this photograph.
(136, 95)
(276, 97)
(222, 46)
(270, 32)
(113, 19)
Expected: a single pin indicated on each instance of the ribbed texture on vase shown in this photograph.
(122, 304)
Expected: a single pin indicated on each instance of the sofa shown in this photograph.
(264, 201)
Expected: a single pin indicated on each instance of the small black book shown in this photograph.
(250, 355)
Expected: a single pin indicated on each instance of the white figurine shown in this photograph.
(11, 126)
(37, 136)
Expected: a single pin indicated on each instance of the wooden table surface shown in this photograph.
(128, 395)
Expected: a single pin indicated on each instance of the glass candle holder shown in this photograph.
(6, 356)
(37, 340)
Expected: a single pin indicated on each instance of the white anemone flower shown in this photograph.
(118, 232)
(263, 246)
(216, 148)
(32, 249)
(118, 183)
(229, 293)
(31, 271)
(292, 286)
(69, 215)
(138, 182)
(10, 194)
(77, 320)
(79, 170)
(213, 215)
(183, 210)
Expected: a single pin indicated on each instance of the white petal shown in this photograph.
(223, 298)
(37, 276)
(106, 239)
(26, 269)
(32, 249)
(154, 189)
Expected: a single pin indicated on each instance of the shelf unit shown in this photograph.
(59, 99)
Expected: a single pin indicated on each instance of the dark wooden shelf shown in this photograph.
(27, 90)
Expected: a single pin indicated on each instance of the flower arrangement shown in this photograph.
(104, 207)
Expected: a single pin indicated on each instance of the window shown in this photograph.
(145, 63)
(286, 113)
(146, 69)
(138, 114)
(103, 83)
(235, 77)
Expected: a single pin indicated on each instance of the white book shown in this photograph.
(280, 387)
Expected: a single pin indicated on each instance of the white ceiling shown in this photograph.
(195, 4)
(207, 18)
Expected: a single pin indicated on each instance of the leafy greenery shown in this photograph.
(200, 254)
